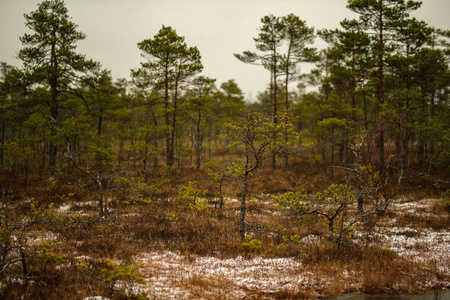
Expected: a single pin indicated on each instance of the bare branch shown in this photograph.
(440, 181)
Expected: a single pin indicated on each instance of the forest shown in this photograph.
(143, 188)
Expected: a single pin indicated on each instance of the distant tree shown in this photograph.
(101, 100)
(431, 74)
(381, 19)
(231, 100)
(268, 42)
(348, 74)
(49, 58)
(143, 123)
(169, 62)
(199, 105)
(297, 36)
(8, 104)
(411, 36)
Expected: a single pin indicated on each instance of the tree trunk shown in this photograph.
(155, 143)
(100, 123)
(144, 162)
(332, 153)
(274, 100)
(167, 114)
(100, 200)
(171, 158)
(286, 155)
(121, 145)
(359, 188)
(366, 128)
(221, 204)
(53, 81)
(2, 143)
(244, 195)
(198, 144)
(380, 95)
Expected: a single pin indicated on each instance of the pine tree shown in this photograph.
(49, 58)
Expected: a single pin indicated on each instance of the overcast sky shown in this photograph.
(218, 28)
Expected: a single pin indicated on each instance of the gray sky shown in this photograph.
(218, 28)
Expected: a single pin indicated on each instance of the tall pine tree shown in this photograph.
(49, 58)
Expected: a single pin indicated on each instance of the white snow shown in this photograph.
(170, 271)
(175, 276)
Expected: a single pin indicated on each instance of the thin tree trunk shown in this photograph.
(221, 203)
(100, 200)
(366, 128)
(198, 145)
(155, 143)
(2, 143)
(286, 155)
(100, 123)
(244, 195)
(274, 100)
(167, 115)
(53, 81)
(171, 158)
(359, 188)
(380, 95)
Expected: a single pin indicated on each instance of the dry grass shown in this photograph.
(167, 225)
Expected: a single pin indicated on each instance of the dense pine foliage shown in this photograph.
(382, 84)
(369, 122)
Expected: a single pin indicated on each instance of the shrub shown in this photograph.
(125, 272)
(251, 244)
(192, 196)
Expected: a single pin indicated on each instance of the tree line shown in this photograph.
(381, 89)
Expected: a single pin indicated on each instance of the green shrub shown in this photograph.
(251, 244)
(194, 197)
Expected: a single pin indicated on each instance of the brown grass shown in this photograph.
(167, 223)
